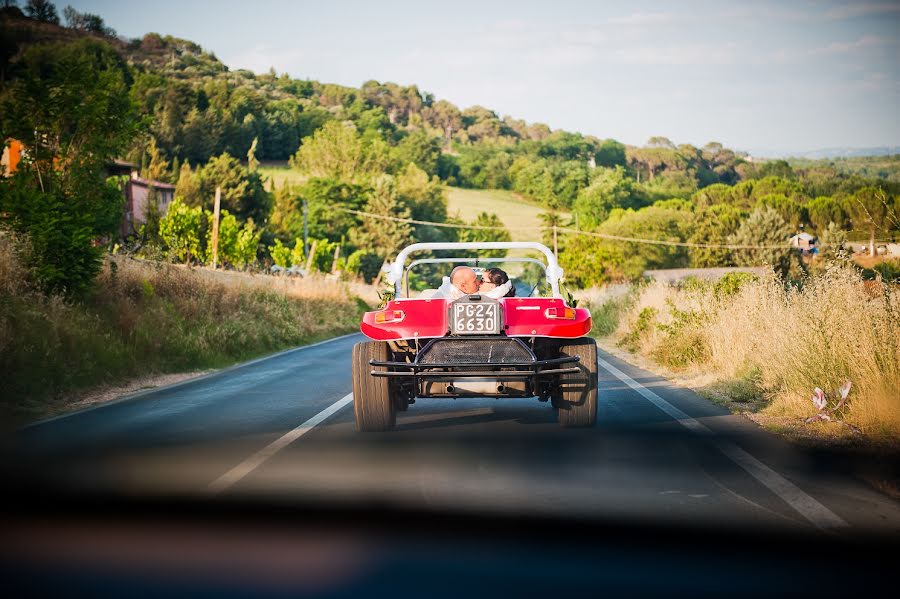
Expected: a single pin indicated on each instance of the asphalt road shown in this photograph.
(282, 428)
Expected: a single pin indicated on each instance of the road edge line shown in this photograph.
(260, 457)
(802, 503)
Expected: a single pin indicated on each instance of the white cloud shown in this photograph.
(863, 9)
(686, 54)
(642, 19)
(867, 41)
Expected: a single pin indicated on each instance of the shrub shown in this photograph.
(365, 264)
(642, 325)
(732, 283)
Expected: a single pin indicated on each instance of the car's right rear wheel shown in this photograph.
(576, 395)
(373, 406)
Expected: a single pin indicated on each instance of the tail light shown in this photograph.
(386, 316)
(565, 313)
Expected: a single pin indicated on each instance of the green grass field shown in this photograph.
(279, 172)
(517, 213)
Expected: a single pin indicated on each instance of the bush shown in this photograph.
(642, 325)
(60, 253)
(684, 342)
(732, 283)
(365, 264)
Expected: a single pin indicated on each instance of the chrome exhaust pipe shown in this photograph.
(450, 388)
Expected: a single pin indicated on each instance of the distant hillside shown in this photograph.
(850, 152)
(827, 153)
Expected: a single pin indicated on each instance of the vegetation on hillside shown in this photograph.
(390, 150)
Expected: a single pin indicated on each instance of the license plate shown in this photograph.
(475, 319)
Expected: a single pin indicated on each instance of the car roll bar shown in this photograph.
(553, 272)
(415, 263)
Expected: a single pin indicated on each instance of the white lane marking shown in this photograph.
(257, 459)
(806, 506)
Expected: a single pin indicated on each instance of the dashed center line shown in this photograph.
(258, 458)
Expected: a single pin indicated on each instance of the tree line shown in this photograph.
(383, 149)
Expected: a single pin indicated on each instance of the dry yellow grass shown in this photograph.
(786, 342)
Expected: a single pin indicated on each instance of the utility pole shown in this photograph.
(215, 228)
(305, 228)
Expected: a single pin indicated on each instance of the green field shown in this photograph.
(517, 213)
(279, 172)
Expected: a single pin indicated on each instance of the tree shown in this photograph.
(243, 193)
(69, 106)
(869, 209)
(87, 22)
(336, 151)
(715, 225)
(768, 231)
(825, 210)
(252, 162)
(420, 149)
(424, 198)
(384, 236)
(496, 232)
(649, 223)
(610, 188)
(42, 10)
(610, 154)
(792, 211)
(366, 264)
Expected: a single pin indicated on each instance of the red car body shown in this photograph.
(522, 317)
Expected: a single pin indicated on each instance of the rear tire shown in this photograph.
(373, 406)
(576, 395)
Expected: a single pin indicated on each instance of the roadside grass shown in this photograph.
(148, 318)
(769, 345)
(607, 305)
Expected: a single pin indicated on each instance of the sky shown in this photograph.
(764, 77)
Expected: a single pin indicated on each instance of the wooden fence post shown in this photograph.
(215, 227)
(309, 257)
(337, 254)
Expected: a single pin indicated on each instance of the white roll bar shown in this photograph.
(554, 272)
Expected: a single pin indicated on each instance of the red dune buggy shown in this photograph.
(475, 346)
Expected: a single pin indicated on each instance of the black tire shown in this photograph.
(576, 394)
(373, 406)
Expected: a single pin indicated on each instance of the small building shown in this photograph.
(805, 243)
(137, 196)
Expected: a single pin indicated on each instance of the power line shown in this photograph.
(563, 230)
(433, 224)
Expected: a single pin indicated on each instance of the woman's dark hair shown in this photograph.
(499, 277)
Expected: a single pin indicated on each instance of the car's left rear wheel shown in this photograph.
(373, 406)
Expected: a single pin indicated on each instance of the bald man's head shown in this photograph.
(464, 279)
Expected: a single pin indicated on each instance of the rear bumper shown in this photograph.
(477, 369)
(492, 365)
